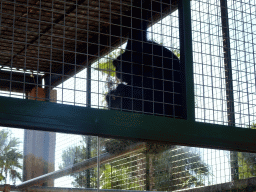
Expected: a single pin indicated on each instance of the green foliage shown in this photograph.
(176, 52)
(106, 66)
(172, 169)
(179, 168)
(247, 163)
(9, 157)
(119, 176)
(77, 154)
(109, 177)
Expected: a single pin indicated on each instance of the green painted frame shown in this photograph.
(47, 116)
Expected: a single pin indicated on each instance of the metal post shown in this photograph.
(187, 58)
(88, 104)
(229, 83)
(88, 154)
(147, 167)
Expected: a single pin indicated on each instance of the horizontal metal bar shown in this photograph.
(238, 185)
(78, 167)
(48, 116)
(242, 184)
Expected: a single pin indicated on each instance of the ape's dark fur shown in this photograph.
(152, 74)
(147, 64)
(128, 98)
(153, 78)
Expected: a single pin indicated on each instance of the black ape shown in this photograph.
(145, 63)
(152, 74)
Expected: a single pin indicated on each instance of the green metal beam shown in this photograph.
(48, 116)
(187, 55)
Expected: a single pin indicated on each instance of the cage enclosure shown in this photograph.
(149, 95)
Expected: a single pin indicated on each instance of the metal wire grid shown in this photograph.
(42, 37)
(127, 173)
(209, 79)
(209, 61)
(164, 32)
(242, 20)
(209, 69)
(46, 43)
(224, 94)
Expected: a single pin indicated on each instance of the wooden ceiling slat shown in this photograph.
(61, 22)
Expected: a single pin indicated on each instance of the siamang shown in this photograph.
(147, 64)
(152, 76)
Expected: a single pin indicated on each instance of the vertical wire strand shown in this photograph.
(63, 59)
(211, 63)
(88, 72)
(38, 44)
(253, 55)
(99, 36)
(109, 42)
(64, 43)
(162, 55)
(132, 53)
(152, 51)
(25, 54)
(12, 55)
(75, 80)
(253, 50)
(238, 87)
(51, 48)
(142, 43)
(88, 90)
(173, 81)
(202, 60)
(245, 62)
(237, 62)
(98, 81)
(98, 163)
(1, 16)
(121, 24)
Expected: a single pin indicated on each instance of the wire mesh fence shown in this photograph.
(125, 55)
